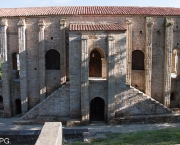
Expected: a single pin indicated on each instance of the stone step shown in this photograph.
(145, 119)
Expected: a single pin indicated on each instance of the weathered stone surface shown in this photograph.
(51, 134)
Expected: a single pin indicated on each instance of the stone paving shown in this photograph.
(7, 124)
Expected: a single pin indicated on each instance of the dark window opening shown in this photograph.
(137, 60)
(52, 60)
(51, 38)
(15, 59)
(97, 108)
(141, 32)
(18, 106)
(1, 99)
(174, 100)
(95, 64)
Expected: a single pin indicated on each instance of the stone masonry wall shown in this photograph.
(135, 102)
(55, 105)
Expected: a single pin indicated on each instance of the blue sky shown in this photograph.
(39, 3)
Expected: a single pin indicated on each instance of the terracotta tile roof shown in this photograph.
(96, 27)
(88, 10)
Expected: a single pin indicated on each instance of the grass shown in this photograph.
(154, 137)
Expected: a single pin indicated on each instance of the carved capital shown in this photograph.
(110, 38)
(3, 22)
(21, 22)
(84, 37)
(149, 21)
(128, 20)
(169, 22)
(63, 22)
(41, 23)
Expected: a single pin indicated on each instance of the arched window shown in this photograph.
(15, 61)
(137, 60)
(95, 64)
(1, 99)
(52, 60)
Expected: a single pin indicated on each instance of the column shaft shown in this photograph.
(42, 69)
(129, 50)
(84, 79)
(63, 50)
(168, 60)
(5, 69)
(111, 78)
(23, 65)
(148, 55)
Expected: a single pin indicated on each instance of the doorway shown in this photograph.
(97, 108)
(95, 64)
(18, 106)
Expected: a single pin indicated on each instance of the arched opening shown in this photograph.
(97, 108)
(18, 106)
(95, 64)
(174, 100)
(137, 60)
(52, 60)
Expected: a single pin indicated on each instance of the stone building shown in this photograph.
(89, 63)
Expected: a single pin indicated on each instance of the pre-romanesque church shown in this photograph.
(90, 63)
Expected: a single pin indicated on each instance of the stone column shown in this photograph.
(63, 50)
(5, 68)
(42, 69)
(23, 69)
(168, 60)
(148, 55)
(111, 78)
(84, 79)
(103, 67)
(129, 50)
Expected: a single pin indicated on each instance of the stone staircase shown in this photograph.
(54, 108)
(141, 108)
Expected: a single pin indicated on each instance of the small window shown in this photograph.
(1, 99)
(137, 60)
(15, 61)
(52, 60)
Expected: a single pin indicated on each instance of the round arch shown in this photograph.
(52, 60)
(97, 109)
(97, 63)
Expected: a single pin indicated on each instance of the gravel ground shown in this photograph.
(7, 124)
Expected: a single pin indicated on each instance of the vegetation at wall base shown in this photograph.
(153, 137)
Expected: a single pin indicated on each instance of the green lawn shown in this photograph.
(155, 137)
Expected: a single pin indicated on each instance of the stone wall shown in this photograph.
(56, 105)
